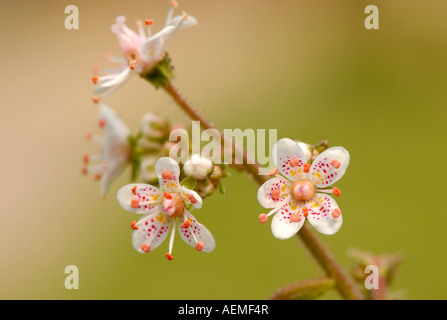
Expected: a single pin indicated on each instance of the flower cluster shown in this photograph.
(167, 192)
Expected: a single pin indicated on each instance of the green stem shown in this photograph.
(304, 290)
(343, 284)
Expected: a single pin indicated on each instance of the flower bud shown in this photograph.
(154, 126)
(147, 169)
(204, 188)
(216, 175)
(307, 150)
(198, 167)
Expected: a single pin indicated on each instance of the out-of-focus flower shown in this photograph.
(163, 209)
(298, 191)
(147, 169)
(114, 149)
(154, 132)
(142, 51)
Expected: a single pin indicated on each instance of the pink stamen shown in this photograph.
(145, 248)
(276, 194)
(263, 218)
(336, 192)
(200, 246)
(192, 199)
(306, 167)
(186, 224)
(335, 163)
(305, 211)
(135, 202)
(97, 176)
(101, 123)
(294, 162)
(174, 4)
(167, 175)
(336, 213)
(169, 256)
(295, 217)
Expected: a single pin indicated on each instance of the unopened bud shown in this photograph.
(198, 167)
(147, 169)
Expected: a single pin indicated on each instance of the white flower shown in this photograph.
(198, 167)
(296, 192)
(141, 51)
(163, 209)
(114, 149)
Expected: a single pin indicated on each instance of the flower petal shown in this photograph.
(149, 198)
(196, 232)
(157, 41)
(114, 80)
(266, 193)
(152, 231)
(168, 171)
(329, 167)
(190, 196)
(282, 225)
(324, 214)
(190, 21)
(284, 151)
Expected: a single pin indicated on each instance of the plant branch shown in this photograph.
(343, 284)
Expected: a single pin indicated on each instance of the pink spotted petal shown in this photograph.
(282, 225)
(323, 173)
(149, 198)
(168, 171)
(321, 214)
(191, 197)
(201, 233)
(289, 159)
(152, 231)
(267, 194)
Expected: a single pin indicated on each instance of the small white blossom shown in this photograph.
(141, 50)
(114, 149)
(298, 191)
(164, 209)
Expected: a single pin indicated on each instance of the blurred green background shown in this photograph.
(307, 68)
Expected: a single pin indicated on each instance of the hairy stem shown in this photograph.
(332, 269)
(248, 164)
(343, 283)
(304, 290)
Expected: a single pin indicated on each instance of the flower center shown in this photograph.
(303, 190)
(173, 206)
